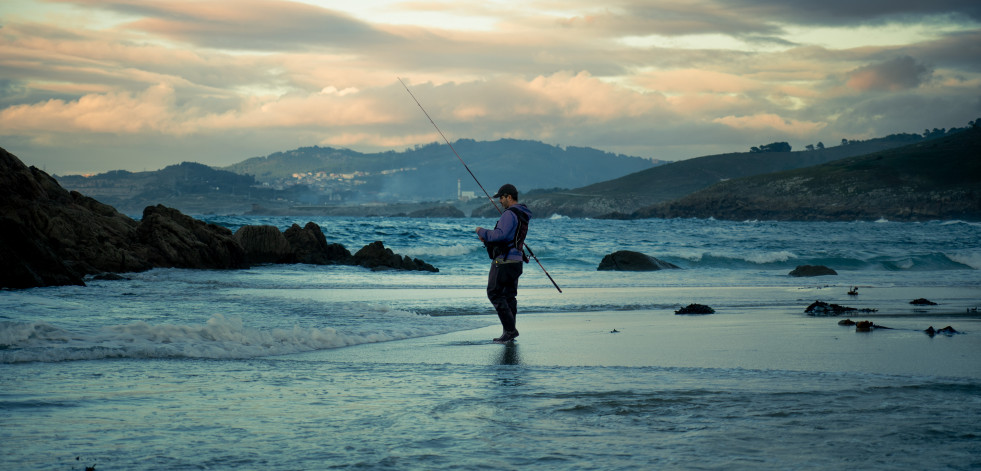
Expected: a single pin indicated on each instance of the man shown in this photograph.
(505, 247)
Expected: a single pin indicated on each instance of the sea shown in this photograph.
(301, 367)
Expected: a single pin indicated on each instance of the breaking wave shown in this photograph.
(219, 338)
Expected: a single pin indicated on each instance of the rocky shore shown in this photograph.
(50, 236)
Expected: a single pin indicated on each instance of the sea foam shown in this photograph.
(219, 338)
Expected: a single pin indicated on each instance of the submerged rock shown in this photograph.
(821, 308)
(812, 270)
(695, 309)
(626, 260)
(945, 331)
(923, 302)
(863, 326)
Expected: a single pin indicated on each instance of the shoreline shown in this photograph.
(746, 339)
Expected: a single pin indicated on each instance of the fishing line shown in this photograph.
(491, 199)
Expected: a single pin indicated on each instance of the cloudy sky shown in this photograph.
(96, 85)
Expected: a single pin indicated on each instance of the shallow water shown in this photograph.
(304, 367)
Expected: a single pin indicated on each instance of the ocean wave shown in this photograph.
(971, 259)
(441, 251)
(958, 221)
(219, 338)
(754, 258)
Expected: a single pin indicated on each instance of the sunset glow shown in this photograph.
(92, 85)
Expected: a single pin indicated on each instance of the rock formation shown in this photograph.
(626, 260)
(264, 244)
(309, 245)
(695, 309)
(376, 257)
(50, 236)
(812, 270)
(174, 239)
(54, 237)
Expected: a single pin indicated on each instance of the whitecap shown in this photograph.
(971, 259)
(441, 251)
(770, 257)
(219, 338)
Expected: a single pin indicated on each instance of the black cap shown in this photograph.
(507, 189)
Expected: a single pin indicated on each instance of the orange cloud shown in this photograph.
(585, 96)
(696, 81)
(766, 121)
(118, 112)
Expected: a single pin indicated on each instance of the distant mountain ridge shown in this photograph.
(338, 177)
(928, 180)
(431, 172)
(675, 180)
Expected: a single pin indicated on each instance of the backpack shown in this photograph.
(501, 249)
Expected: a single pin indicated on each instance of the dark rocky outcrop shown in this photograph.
(174, 239)
(27, 262)
(812, 270)
(50, 236)
(922, 302)
(626, 260)
(264, 244)
(377, 257)
(695, 309)
(309, 245)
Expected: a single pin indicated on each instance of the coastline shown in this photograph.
(748, 338)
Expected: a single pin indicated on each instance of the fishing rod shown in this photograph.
(498, 208)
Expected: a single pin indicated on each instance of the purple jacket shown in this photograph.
(504, 230)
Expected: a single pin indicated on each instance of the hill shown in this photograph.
(189, 186)
(933, 179)
(675, 180)
(308, 178)
(431, 172)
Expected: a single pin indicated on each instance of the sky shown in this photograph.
(90, 85)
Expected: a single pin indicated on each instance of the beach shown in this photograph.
(285, 367)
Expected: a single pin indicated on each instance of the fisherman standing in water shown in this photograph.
(505, 247)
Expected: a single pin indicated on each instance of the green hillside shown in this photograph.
(934, 179)
(675, 180)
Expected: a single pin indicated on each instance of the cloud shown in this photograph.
(841, 12)
(103, 113)
(767, 121)
(260, 25)
(897, 74)
(663, 78)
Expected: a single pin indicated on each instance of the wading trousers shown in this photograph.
(502, 287)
